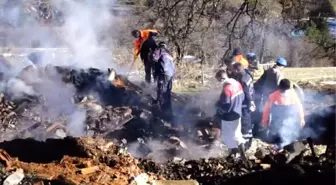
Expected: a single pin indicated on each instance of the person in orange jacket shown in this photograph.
(238, 57)
(283, 115)
(145, 46)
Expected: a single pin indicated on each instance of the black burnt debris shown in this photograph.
(118, 116)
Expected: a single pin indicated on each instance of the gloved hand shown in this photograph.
(252, 107)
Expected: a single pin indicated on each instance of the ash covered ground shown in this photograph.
(121, 136)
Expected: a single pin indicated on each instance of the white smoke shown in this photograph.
(80, 42)
(289, 131)
(18, 88)
(76, 123)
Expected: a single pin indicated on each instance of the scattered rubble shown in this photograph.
(87, 160)
(119, 115)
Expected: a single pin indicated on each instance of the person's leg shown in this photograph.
(246, 127)
(160, 90)
(236, 128)
(167, 98)
(228, 134)
(169, 84)
(148, 69)
(240, 140)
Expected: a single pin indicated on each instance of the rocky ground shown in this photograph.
(118, 117)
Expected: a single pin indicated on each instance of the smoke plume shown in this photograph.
(76, 35)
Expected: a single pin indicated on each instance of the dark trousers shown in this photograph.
(146, 54)
(246, 129)
(149, 69)
(164, 87)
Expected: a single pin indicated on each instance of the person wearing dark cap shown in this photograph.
(164, 73)
(145, 45)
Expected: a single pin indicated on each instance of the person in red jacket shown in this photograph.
(283, 114)
(145, 46)
(229, 111)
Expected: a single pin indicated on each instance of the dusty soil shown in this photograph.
(52, 160)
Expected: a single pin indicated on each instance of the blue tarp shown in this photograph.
(299, 33)
(332, 26)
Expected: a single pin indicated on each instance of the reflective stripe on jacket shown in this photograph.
(285, 100)
(229, 105)
(144, 34)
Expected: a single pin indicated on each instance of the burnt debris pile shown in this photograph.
(57, 102)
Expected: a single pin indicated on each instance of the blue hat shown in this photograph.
(251, 56)
(281, 61)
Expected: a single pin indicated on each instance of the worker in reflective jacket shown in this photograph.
(243, 76)
(283, 115)
(238, 57)
(229, 111)
(145, 46)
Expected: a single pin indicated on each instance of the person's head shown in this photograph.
(281, 62)
(238, 67)
(237, 51)
(221, 75)
(251, 57)
(136, 34)
(284, 85)
(162, 45)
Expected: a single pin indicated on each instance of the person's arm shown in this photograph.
(266, 113)
(247, 94)
(137, 46)
(225, 98)
(152, 32)
(279, 77)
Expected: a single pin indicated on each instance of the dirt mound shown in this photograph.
(72, 161)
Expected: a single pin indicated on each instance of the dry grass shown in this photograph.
(189, 77)
(308, 73)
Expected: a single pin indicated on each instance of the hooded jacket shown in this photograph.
(281, 106)
(269, 81)
(229, 105)
(164, 62)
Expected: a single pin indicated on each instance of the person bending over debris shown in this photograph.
(164, 72)
(283, 114)
(237, 57)
(145, 45)
(229, 110)
(269, 82)
(243, 76)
